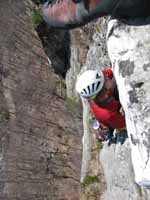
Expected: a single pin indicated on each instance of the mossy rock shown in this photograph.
(91, 117)
(4, 116)
(36, 17)
(99, 145)
(88, 180)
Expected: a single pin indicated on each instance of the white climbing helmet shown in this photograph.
(90, 83)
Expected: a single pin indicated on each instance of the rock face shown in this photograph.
(80, 40)
(128, 47)
(88, 55)
(96, 58)
(119, 174)
(40, 139)
(40, 148)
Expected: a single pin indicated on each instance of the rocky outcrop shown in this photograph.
(80, 40)
(128, 46)
(119, 174)
(88, 51)
(94, 60)
(40, 148)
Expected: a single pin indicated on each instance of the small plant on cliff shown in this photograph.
(4, 116)
(99, 145)
(36, 17)
(91, 117)
(88, 180)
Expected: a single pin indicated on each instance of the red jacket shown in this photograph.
(108, 112)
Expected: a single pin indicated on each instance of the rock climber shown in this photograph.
(100, 90)
(68, 14)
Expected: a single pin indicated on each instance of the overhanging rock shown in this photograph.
(129, 51)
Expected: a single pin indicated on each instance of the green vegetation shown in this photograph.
(88, 180)
(99, 145)
(62, 83)
(4, 116)
(36, 17)
(90, 117)
(60, 87)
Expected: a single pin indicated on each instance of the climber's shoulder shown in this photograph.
(108, 72)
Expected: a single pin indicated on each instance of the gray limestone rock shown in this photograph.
(129, 47)
(119, 173)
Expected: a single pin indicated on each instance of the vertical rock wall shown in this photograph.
(128, 47)
(88, 51)
(40, 148)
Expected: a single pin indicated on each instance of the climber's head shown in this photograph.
(90, 83)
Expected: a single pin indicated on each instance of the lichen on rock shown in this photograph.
(131, 70)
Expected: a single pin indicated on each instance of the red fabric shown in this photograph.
(108, 112)
(109, 117)
(108, 72)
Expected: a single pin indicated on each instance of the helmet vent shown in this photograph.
(93, 87)
(89, 89)
(98, 83)
(85, 91)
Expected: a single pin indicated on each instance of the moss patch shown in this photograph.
(99, 145)
(36, 17)
(91, 117)
(88, 180)
(4, 116)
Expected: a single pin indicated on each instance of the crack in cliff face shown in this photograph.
(133, 140)
(146, 67)
(147, 146)
(56, 44)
